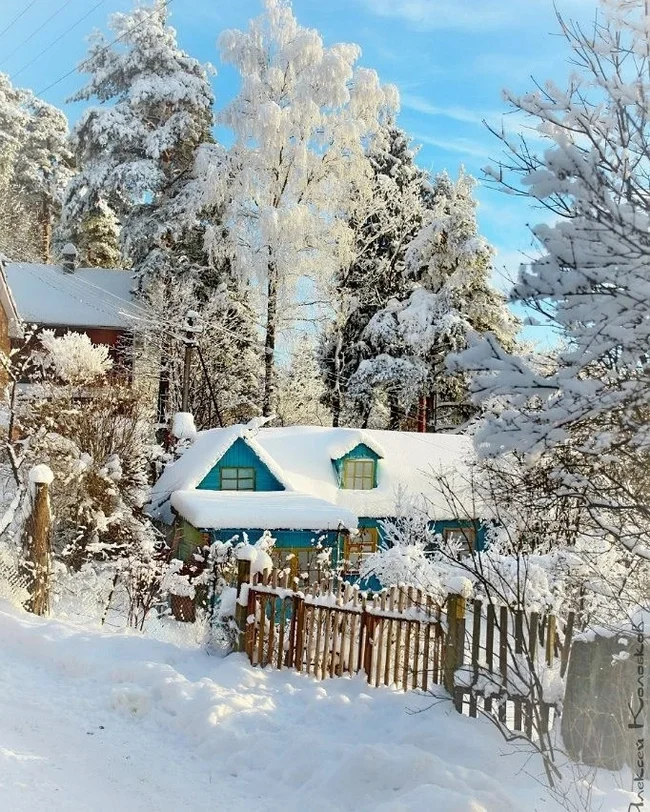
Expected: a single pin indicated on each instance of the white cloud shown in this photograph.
(464, 146)
(465, 15)
(457, 113)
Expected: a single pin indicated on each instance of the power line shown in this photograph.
(106, 47)
(35, 32)
(58, 39)
(17, 17)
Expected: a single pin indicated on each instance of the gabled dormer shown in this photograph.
(357, 469)
(240, 469)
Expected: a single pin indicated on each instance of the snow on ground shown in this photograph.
(94, 721)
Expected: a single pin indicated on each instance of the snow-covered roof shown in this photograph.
(88, 297)
(261, 510)
(300, 457)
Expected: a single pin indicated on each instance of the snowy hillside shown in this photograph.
(103, 721)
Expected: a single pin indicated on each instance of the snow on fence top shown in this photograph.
(301, 458)
(89, 297)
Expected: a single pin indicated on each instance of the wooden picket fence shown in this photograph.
(401, 637)
(395, 638)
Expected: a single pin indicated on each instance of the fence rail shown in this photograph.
(488, 657)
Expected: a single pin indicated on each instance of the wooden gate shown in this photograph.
(394, 638)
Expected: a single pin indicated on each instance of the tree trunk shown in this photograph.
(269, 342)
(394, 413)
(46, 232)
(36, 551)
(337, 400)
(422, 414)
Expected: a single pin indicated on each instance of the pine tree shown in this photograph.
(135, 152)
(410, 339)
(299, 122)
(383, 224)
(43, 168)
(35, 165)
(98, 238)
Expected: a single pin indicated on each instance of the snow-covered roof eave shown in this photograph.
(260, 510)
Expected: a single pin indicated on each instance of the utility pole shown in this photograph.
(192, 328)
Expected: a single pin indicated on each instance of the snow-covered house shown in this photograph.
(305, 483)
(99, 302)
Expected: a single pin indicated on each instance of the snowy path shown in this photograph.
(93, 722)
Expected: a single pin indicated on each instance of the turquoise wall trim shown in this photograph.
(283, 538)
(359, 452)
(438, 527)
(241, 455)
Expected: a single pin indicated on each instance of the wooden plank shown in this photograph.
(438, 648)
(379, 642)
(262, 632)
(476, 643)
(417, 668)
(326, 642)
(335, 636)
(318, 662)
(489, 650)
(398, 636)
(425, 656)
(310, 639)
(352, 641)
(533, 633)
(528, 718)
(269, 652)
(369, 646)
(251, 628)
(291, 659)
(543, 716)
(566, 645)
(407, 654)
(550, 640)
(300, 634)
(282, 624)
(345, 627)
(519, 647)
(389, 636)
(455, 643)
(503, 658)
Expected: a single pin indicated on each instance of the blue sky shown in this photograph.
(450, 59)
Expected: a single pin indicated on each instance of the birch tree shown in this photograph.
(299, 122)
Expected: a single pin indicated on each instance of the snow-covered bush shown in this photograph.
(72, 358)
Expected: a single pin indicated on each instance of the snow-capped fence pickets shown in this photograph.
(492, 660)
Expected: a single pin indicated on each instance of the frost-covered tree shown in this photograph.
(408, 341)
(301, 387)
(135, 149)
(43, 168)
(299, 123)
(593, 409)
(35, 165)
(13, 120)
(225, 360)
(98, 238)
(383, 224)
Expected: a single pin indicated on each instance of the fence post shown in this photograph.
(241, 605)
(36, 542)
(454, 645)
